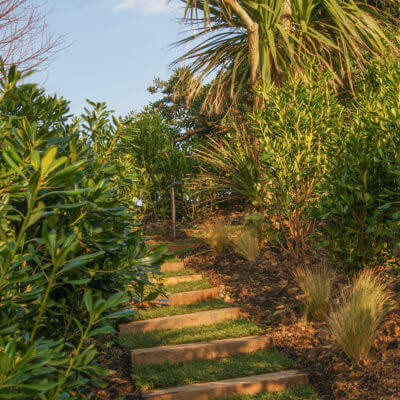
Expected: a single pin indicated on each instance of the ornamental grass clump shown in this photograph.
(316, 283)
(355, 323)
(217, 236)
(247, 245)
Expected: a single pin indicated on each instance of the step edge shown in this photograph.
(213, 342)
(198, 313)
(211, 289)
(271, 376)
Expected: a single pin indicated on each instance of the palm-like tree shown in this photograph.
(238, 42)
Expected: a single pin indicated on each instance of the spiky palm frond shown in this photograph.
(337, 34)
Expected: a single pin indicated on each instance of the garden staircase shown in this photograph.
(207, 350)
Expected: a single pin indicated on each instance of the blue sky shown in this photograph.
(116, 49)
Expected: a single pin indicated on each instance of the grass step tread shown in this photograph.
(225, 329)
(302, 393)
(165, 311)
(211, 350)
(272, 382)
(188, 286)
(153, 376)
(181, 272)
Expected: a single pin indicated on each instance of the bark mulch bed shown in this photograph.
(267, 291)
(269, 294)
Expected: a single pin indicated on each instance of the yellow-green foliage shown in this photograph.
(247, 245)
(355, 323)
(217, 236)
(316, 283)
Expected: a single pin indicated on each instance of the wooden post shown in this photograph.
(173, 207)
(173, 210)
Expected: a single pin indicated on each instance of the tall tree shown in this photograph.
(248, 42)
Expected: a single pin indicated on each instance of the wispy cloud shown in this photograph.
(146, 6)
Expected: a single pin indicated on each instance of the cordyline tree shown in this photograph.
(243, 43)
(25, 40)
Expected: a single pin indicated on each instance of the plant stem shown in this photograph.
(44, 301)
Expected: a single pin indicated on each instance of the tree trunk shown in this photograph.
(253, 38)
(286, 17)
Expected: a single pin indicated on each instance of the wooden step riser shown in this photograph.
(174, 280)
(200, 351)
(195, 296)
(172, 266)
(249, 385)
(182, 321)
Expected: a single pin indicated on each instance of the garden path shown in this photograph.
(196, 346)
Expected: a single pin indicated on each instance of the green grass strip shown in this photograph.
(187, 286)
(303, 393)
(165, 375)
(164, 311)
(172, 259)
(225, 329)
(181, 272)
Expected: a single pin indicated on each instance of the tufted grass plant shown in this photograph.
(217, 236)
(316, 283)
(247, 245)
(355, 322)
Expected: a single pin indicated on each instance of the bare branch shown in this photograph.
(25, 39)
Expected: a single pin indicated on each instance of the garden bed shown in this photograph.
(267, 291)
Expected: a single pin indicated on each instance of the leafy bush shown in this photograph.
(355, 323)
(247, 245)
(294, 127)
(361, 192)
(330, 165)
(68, 249)
(316, 283)
(156, 161)
(217, 236)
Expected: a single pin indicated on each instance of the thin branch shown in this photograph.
(25, 40)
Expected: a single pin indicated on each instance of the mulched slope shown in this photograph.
(273, 299)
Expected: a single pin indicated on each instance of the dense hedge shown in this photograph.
(68, 248)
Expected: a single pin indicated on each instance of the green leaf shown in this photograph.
(88, 302)
(5, 363)
(35, 159)
(121, 314)
(37, 213)
(12, 164)
(48, 159)
(79, 261)
(80, 282)
(104, 330)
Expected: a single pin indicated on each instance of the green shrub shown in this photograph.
(330, 165)
(68, 249)
(361, 193)
(156, 161)
(294, 128)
